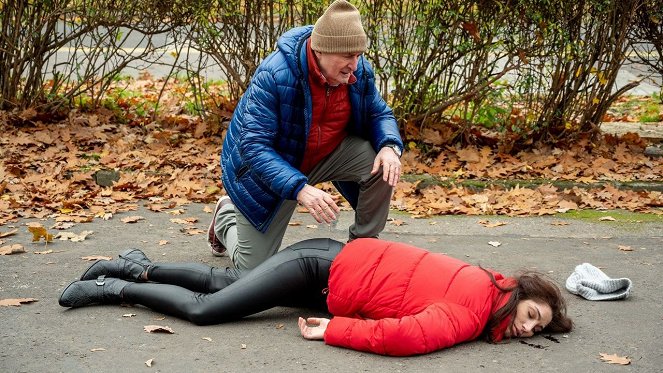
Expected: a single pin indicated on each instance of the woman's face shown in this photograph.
(531, 317)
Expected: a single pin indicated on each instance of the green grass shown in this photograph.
(642, 109)
(620, 216)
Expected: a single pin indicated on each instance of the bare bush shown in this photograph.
(79, 45)
(646, 37)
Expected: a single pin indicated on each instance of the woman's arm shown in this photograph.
(436, 327)
(313, 327)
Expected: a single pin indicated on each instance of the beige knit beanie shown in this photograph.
(339, 30)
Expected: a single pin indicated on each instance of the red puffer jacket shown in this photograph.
(395, 299)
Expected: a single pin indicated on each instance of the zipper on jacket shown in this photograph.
(328, 91)
(242, 170)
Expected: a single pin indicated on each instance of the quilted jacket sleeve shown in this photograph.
(257, 143)
(438, 326)
(381, 124)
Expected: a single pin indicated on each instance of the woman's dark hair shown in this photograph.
(534, 286)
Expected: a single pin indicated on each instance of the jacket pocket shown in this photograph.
(241, 172)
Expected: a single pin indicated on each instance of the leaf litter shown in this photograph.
(16, 302)
(12, 249)
(174, 161)
(158, 329)
(615, 359)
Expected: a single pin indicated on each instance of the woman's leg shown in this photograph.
(196, 277)
(295, 276)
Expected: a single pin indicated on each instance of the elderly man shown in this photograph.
(311, 114)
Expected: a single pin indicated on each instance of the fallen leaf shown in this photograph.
(163, 242)
(160, 318)
(607, 218)
(625, 248)
(614, 359)
(208, 339)
(16, 302)
(7, 234)
(44, 252)
(73, 237)
(96, 257)
(129, 315)
(97, 349)
(132, 219)
(194, 231)
(12, 249)
(494, 243)
(158, 329)
(184, 221)
(312, 226)
(397, 222)
(295, 223)
(38, 232)
(279, 326)
(208, 209)
(488, 224)
(243, 346)
(149, 362)
(75, 219)
(63, 225)
(559, 223)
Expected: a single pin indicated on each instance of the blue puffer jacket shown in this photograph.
(266, 138)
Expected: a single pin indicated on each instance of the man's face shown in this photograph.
(337, 67)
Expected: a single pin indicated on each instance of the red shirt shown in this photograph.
(331, 114)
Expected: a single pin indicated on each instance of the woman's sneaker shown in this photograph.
(213, 242)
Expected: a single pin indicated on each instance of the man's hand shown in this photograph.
(391, 165)
(320, 205)
(313, 327)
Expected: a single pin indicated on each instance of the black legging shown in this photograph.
(295, 277)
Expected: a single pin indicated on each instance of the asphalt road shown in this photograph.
(44, 337)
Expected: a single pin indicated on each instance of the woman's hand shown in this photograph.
(313, 327)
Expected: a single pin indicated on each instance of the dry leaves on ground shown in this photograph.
(158, 329)
(39, 232)
(132, 219)
(12, 249)
(615, 359)
(16, 302)
(92, 258)
(48, 169)
(7, 234)
(73, 237)
(488, 224)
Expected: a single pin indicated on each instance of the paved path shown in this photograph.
(43, 337)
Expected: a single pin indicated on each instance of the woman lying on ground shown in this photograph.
(385, 297)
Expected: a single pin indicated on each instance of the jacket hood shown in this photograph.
(291, 44)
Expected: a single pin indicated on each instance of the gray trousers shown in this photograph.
(351, 161)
